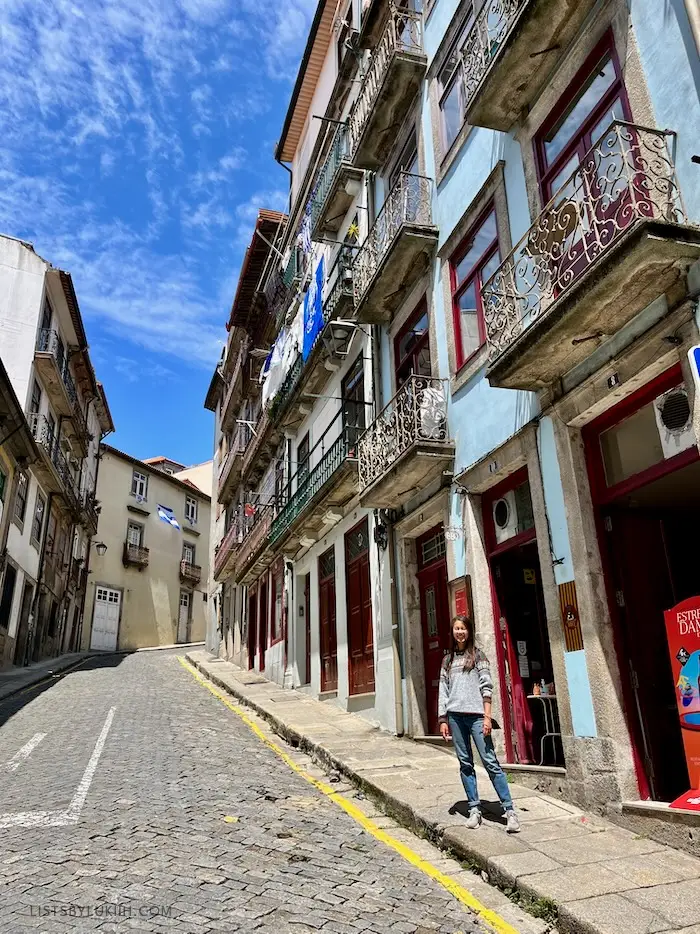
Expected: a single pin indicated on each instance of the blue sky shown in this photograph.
(136, 146)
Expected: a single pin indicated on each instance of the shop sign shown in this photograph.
(683, 636)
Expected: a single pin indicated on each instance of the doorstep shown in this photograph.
(660, 810)
(601, 878)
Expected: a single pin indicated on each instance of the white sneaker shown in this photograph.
(474, 819)
(512, 822)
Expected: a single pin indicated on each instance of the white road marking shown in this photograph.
(61, 818)
(24, 753)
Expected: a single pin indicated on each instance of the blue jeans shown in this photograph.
(464, 728)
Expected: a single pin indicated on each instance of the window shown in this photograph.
(353, 395)
(139, 485)
(596, 98)
(475, 261)
(344, 28)
(35, 404)
(188, 552)
(277, 594)
(407, 161)
(303, 459)
(21, 497)
(191, 509)
(38, 522)
(134, 534)
(451, 90)
(412, 347)
(3, 486)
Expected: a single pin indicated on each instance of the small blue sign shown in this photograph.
(694, 358)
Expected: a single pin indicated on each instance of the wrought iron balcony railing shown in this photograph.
(486, 39)
(228, 544)
(339, 153)
(408, 202)
(627, 178)
(135, 554)
(190, 573)
(255, 537)
(45, 436)
(403, 33)
(418, 412)
(49, 342)
(88, 504)
(337, 444)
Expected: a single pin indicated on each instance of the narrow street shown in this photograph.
(132, 799)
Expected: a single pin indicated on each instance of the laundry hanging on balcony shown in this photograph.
(167, 515)
(313, 309)
(274, 376)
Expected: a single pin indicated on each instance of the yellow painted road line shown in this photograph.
(494, 920)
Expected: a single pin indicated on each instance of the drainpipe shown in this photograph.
(693, 11)
(397, 642)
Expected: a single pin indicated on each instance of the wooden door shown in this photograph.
(307, 627)
(327, 621)
(435, 623)
(262, 624)
(252, 628)
(359, 607)
(105, 619)
(184, 617)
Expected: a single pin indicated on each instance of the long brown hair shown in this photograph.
(469, 649)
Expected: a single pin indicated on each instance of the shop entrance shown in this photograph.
(434, 615)
(530, 712)
(645, 480)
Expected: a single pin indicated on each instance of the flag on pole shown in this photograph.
(166, 514)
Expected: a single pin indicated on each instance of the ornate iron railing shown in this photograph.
(241, 439)
(339, 153)
(48, 341)
(81, 428)
(192, 573)
(228, 544)
(486, 39)
(402, 33)
(45, 436)
(135, 554)
(418, 412)
(255, 537)
(408, 202)
(88, 505)
(625, 179)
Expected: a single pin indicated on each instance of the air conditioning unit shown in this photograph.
(674, 420)
(505, 517)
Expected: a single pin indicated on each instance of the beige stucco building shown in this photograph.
(150, 585)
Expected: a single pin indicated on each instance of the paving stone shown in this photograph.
(614, 914)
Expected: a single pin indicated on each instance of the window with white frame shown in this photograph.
(38, 521)
(188, 552)
(191, 509)
(21, 497)
(139, 485)
(134, 534)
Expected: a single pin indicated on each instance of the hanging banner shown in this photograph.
(313, 310)
(683, 635)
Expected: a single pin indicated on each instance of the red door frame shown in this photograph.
(328, 583)
(252, 627)
(601, 496)
(424, 571)
(359, 560)
(263, 618)
(307, 627)
(493, 549)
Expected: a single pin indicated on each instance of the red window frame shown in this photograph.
(581, 140)
(474, 274)
(511, 482)
(420, 310)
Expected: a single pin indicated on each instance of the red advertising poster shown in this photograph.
(683, 634)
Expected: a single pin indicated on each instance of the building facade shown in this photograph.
(50, 505)
(149, 574)
(477, 396)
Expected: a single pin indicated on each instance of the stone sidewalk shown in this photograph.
(13, 680)
(603, 879)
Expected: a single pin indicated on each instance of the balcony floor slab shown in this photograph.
(417, 467)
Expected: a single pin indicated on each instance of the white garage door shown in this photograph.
(105, 620)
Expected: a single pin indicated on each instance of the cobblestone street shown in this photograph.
(148, 797)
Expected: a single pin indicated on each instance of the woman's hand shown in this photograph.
(487, 726)
(445, 731)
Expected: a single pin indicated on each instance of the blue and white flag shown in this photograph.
(313, 310)
(166, 514)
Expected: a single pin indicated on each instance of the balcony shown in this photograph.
(510, 52)
(190, 573)
(53, 470)
(324, 484)
(135, 556)
(260, 450)
(388, 90)
(254, 554)
(397, 250)
(89, 511)
(232, 465)
(77, 430)
(610, 241)
(235, 386)
(308, 377)
(336, 188)
(407, 447)
(226, 552)
(51, 363)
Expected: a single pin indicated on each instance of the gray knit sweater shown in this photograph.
(464, 691)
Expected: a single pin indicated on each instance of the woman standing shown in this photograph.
(464, 711)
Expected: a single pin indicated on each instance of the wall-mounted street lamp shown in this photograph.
(100, 548)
